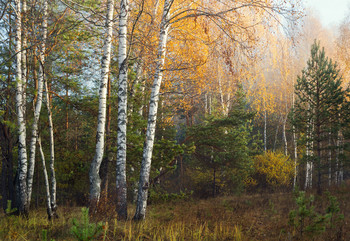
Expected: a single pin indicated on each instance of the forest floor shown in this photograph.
(246, 217)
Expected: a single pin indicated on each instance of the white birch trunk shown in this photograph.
(52, 153)
(24, 56)
(95, 180)
(309, 166)
(265, 134)
(22, 150)
(206, 103)
(152, 117)
(122, 112)
(221, 97)
(46, 178)
(228, 103)
(276, 134)
(295, 153)
(38, 105)
(209, 104)
(284, 135)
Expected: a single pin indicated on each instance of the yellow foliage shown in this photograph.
(273, 168)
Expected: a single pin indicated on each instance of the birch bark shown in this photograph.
(152, 117)
(22, 150)
(52, 154)
(95, 180)
(24, 55)
(38, 104)
(122, 111)
(284, 135)
(265, 131)
(309, 155)
(46, 178)
(295, 152)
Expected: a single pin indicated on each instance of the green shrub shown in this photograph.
(85, 230)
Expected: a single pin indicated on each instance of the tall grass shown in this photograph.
(249, 217)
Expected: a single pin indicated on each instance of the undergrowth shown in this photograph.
(248, 217)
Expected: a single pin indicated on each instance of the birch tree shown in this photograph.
(95, 180)
(53, 204)
(22, 150)
(152, 116)
(38, 104)
(122, 111)
(46, 179)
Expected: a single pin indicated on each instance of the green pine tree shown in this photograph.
(318, 109)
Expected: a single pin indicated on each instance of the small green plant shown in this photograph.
(10, 210)
(333, 210)
(85, 230)
(44, 235)
(304, 218)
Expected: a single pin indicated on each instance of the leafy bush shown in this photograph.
(272, 169)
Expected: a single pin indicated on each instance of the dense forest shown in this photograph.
(114, 105)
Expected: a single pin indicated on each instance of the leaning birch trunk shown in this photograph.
(46, 178)
(22, 150)
(52, 154)
(122, 112)
(95, 180)
(37, 109)
(152, 116)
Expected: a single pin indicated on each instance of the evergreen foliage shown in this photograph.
(224, 145)
(319, 108)
(84, 230)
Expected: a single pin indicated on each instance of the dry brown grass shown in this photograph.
(247, 217)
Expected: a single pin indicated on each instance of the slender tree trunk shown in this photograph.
(67, 114)
(152, 117)
(38, 105)
(265, 130)
(318, 126)
(108, 157)
(284, 136)
(276, 135)
(329, 160)
(24, 54)
(46, 178)
(221, 96)
(214, 182)
(35, 75)
(22, 152)
(52, 154)
(295, 154)
(95, 180)
(206, 103)
(341, 165)
(122, 112)
(309, 164)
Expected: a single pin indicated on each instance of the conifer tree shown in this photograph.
(320, 98)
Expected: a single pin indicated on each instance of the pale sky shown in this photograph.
(331, 12)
